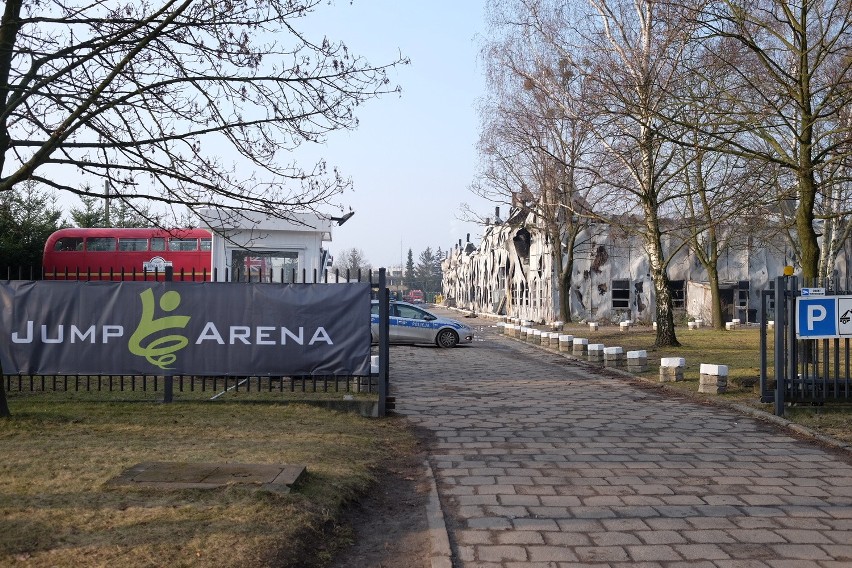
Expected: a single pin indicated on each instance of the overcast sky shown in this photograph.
(413, 156)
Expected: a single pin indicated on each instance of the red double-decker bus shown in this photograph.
(116, 254)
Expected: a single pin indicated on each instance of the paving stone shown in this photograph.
(551, 554)
(601, 554)
(520, 537)
(609, 474)
(500, 553)
(659, 552)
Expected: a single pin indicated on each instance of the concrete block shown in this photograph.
(554, 339)
(672, 362)
(556, 325)
(596, 352)
(535, 337)
(713, 379)
(625, 326)
(581, 346)
(637, 361)
(566, 342)
(710, 369)
(671, 369)
(593, 325)
(770, 324)
(614, 357)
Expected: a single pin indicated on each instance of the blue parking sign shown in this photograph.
(816, 317)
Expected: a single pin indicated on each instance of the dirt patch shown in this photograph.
(388, 525)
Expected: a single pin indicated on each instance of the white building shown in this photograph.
(511, 273)
(253, 246)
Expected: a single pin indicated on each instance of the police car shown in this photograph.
(411, 324)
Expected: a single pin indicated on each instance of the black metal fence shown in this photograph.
(271, 275)
(807, 370)
(211, 388)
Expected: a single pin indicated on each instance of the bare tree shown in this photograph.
(723, 194)
(634, 53)
(534, 131)
(352, 261)
(181, 102)
(790, 79)
(835, 207)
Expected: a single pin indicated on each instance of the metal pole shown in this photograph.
(384, 343)
(168, 380)
(764, 395)
(780, 363)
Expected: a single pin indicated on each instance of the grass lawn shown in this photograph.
(58, 454)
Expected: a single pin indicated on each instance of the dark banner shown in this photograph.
(184, 328)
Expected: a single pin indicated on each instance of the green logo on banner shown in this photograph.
(159, 351)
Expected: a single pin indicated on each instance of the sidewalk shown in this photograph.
(539, 462)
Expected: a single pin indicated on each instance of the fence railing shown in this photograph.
(197, 387)
(812, 363)
(273, 276)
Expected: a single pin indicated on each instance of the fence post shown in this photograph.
(765, 396)
(168, 380)
(780, 344)
(384, 343)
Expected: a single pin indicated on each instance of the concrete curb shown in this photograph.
(441, 552)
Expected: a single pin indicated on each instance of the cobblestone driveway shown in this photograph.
(541, 461)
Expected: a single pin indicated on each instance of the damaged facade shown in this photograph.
(512, 273)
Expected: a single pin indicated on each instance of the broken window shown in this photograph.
(620, 294)
(742, 294)
(676, 289)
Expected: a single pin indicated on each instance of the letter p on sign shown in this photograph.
(816, 313)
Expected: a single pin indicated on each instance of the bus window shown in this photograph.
(206, 244)
(68, 244)
(129, 244)
(183, 244)
(158, 243)
(100, 244)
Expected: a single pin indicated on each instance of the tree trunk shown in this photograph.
(715, 299)
(566, 279)
(665, 312)
(808, 243)
(653, 242)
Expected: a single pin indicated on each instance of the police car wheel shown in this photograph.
(447, 338)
